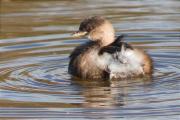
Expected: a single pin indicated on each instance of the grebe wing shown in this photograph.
(116, 46)
(81, 49)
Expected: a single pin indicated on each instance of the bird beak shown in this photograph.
(79, 34)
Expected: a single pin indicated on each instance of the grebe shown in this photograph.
(105, 57)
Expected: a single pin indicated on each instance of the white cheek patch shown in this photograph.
(89, 37)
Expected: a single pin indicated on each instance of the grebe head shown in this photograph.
(97, 29)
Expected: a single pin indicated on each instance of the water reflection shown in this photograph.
(109, 94)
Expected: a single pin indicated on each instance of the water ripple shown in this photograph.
(34, 48)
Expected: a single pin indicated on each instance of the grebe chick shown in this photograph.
(105, 57)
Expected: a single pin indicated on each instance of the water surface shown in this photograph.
(35, 43)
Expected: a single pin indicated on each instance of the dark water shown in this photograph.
(35, 43)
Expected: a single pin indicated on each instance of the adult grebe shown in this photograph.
(104, 56)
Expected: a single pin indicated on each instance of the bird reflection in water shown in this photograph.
(109, 93)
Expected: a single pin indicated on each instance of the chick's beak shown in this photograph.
(79, 34)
